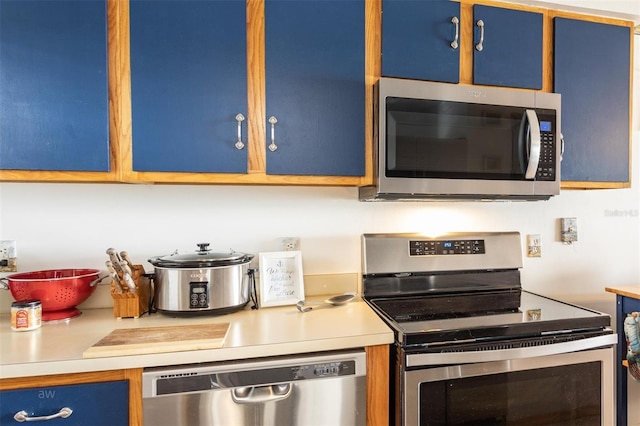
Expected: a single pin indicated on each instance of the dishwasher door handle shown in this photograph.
(261, 394)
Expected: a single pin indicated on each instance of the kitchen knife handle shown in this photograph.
(125, 256)
(115, 257)
(239, 118)
(114, 276)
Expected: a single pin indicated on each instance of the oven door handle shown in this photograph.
(452, 358)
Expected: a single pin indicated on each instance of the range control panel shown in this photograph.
(198, 295)
(445, 247)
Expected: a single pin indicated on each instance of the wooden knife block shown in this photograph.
(132, 305)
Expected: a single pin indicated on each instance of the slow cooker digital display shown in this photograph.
(198, 295)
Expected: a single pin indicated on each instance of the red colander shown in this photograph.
(59, 290)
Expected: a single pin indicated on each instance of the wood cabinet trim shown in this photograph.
(113, 175)
(134, 376)
(120, 121)
(256, 108)
(551, 15)
(377, 385)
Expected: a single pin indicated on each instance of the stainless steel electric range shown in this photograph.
(472, 347)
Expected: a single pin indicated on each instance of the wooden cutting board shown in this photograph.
(153, 340)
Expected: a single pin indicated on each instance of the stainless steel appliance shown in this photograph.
(203, 282)
(451, 141)
(472, 347)
(317, 389)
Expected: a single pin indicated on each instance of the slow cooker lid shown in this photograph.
(202, 257)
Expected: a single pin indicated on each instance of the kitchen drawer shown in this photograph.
(95, 404)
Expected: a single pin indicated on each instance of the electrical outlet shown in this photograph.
(290, 244)
(8, 256)
(534, 245)
(569, 229)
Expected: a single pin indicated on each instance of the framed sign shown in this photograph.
(281, 279)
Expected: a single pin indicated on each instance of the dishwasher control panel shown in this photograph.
(168, 381)
(330, 369)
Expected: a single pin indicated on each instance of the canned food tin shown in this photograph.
(26, 315)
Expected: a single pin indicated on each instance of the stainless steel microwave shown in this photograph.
(451, 141)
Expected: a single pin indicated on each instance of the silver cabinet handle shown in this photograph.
(480, 23)
(455, 21)
(23, 416)
(273, 121)
(561, 146)
(239, 119)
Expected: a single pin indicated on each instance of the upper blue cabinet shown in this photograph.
(54, 105)
(433, 40)
(421, 40)
(592, 73)
(315, 88)
(507, 47)
(189, 86)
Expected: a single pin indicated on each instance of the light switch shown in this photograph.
(534, 245)
(568, 229)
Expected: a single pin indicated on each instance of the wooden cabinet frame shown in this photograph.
(120, 100)
(549, 17)
(256, 146)
(134, 376)
(120, 121)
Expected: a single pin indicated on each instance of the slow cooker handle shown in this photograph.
(203, 247)
(4, 283)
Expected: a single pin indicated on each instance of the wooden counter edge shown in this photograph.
(133, 375)
(627, 291)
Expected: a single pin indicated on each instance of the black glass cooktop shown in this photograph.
(482, 316)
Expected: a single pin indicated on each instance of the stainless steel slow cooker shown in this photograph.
(202, 282)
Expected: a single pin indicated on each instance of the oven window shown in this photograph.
(564, 395)
(442, 139)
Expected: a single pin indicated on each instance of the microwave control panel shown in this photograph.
(547, 164)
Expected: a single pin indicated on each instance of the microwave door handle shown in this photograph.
(533, 142)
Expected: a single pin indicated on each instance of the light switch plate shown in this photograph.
(534, 245)
(290, 244)
(568, 229)
(8, 256)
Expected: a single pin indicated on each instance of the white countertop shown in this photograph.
(57, 347)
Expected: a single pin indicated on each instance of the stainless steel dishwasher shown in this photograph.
(327, 388)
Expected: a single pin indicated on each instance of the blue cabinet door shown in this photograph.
(417, 40)
(54, 104)
(591, 72)
(95, 404)
(188, 84)
(511, 53)
(314, 60)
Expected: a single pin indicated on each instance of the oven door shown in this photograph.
(567, 388)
